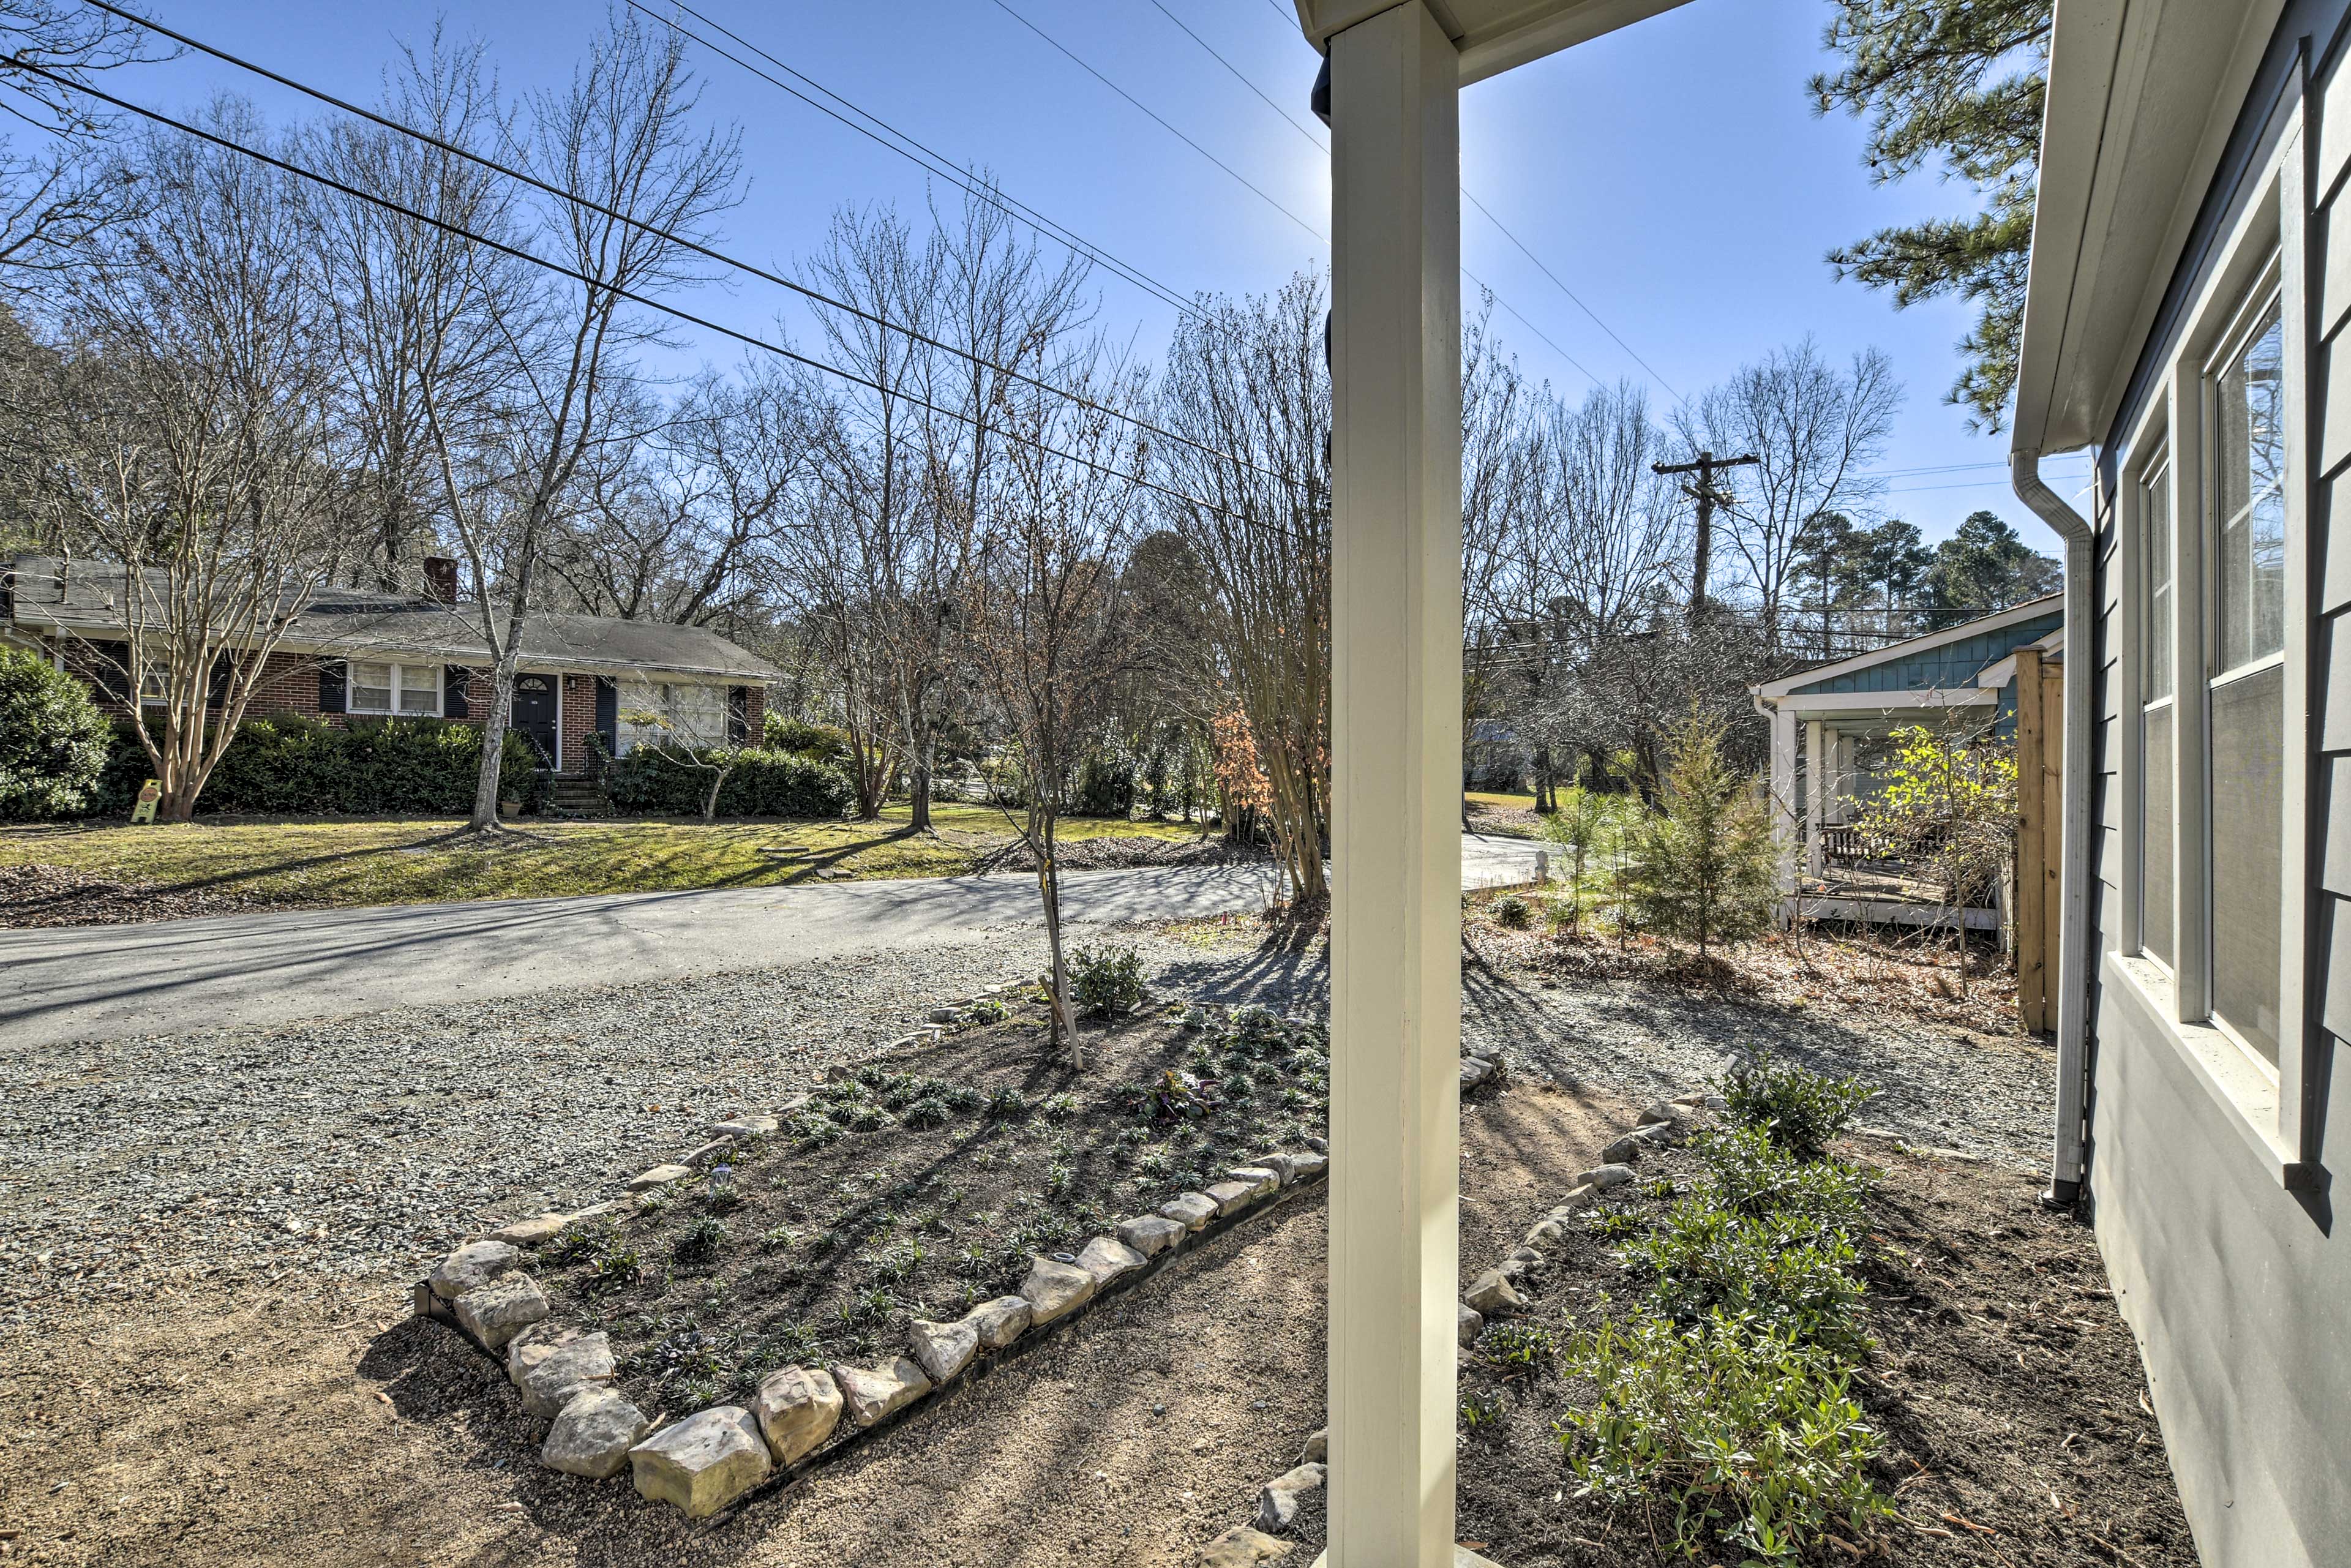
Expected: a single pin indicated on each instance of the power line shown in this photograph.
(689, 318)
(524, 178)
(928, 159)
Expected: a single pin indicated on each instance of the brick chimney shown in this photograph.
(441, 580)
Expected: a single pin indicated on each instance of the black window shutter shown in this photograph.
(334, 684)
(223, 670)
(454, 680)
(608, 712)
(738, 714)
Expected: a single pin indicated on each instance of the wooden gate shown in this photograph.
(2040, 834)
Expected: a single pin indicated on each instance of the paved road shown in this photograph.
(107, 981)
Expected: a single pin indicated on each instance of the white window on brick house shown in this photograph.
(697, 715)
(412, 690)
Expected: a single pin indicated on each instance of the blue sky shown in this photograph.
(1672, 175)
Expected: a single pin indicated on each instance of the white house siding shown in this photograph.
(2237, 1287)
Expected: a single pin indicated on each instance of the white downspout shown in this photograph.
(2073, 855)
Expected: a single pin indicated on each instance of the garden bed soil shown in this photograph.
(918, 1188)
(2016, 1423)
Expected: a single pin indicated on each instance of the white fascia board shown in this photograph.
(1816, 705)
(1493, 36)
(2031, 609)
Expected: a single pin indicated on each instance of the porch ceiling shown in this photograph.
(1493, 35)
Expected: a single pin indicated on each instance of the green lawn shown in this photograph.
(313, 863)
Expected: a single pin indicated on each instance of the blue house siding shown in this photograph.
(1954, 664)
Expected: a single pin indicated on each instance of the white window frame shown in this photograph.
(2149, 457)
(2264, 257)
(397, 686)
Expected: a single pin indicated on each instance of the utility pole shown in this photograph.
(1708, 497)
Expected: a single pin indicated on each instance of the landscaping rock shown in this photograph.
(1150, 1233)
(1276, 1501)
(873, 1393)
(1054, 1289)
(1106, 1258)
(535, 1345)
(1262, 1181)
(1522, 1260)
(660, 1176)
(1000, 1322)
(1231, 1195)
(1475, 1070)
(472, 1266)
(1576, 1201)
(532, 1233)
(1467, 1325)
(495, 1313)
(1281, 1166)
(944, 1349)
(1603, 1178)
(1318, 1448)
(1664, 1113)
(567, 1370)
(1545, 1232)
(796, 1410)
(1191, 1211)
(1490, 1292)
(1304, 1167)
(718, 1151)
(702, 1463)
(945, 1015)
(1242, 1547)
(592, 1435)
(1624, 1150)
(758, 1124)
(1315, 1143)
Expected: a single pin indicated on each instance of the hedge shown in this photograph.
(763, 783)
(279, 767)
(53, 740)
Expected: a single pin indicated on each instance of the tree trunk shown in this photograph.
(918, 793)
(710, 802)
(494, 741)
(1049, 889)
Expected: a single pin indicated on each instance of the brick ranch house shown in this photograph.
(363, 653)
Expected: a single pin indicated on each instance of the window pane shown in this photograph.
(2154, 874)
(2155, 506)
(2247, 828)
(371, 688)
(2249, 459)
(419, 688)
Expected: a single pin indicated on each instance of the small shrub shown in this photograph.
(1007, 1106)
(577, 1244)
(1749, 1172)
(700, 1242)
(928, 1112)
(1107, 981)
(1481, 1409)
(1750, 1434)
(720, 1196)
(53, 740)
(988, 1011)
(964, 1099)
(1060, 1108)
(1518, 1347)
(1060, 1180)
(617, 1265)
(1512, 912)
(1153, 1164)
(871, 1119)
(1801, 1109)
(777, 1239)
(1779, 1270)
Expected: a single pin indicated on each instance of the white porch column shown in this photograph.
(1784, 793)
(1816, 792)
(1396, 705)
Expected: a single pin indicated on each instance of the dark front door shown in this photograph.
(534, 714)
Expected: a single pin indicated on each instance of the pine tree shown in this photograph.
(1705, 870)
(1958, 85)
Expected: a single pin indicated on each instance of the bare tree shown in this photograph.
(1248, 380)
(1044, 606)
(189, 442)
(1816, 430)
(419, 307)
(66, 193)
(641, 184)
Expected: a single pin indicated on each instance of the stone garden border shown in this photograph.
(716, 1460)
